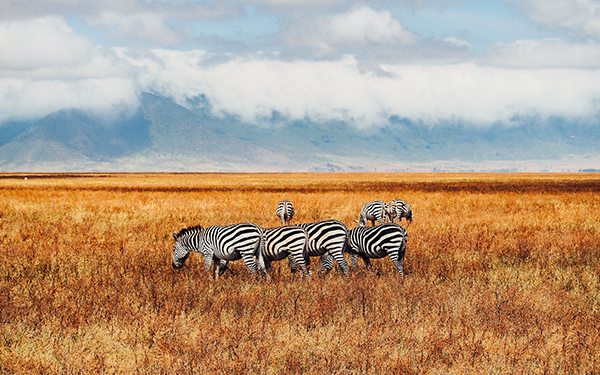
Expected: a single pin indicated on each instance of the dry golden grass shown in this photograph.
(503, 277)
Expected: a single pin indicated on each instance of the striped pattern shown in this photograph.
(373, 211)
(285, 211)
(279, 243)
(221, 243)
(326, 239)
(378, 242)
(399, 209)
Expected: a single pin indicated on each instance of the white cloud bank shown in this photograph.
(580, 16)
(544, 53)
(364, 25)
(45, 66)
(338, 90)
(50, 67)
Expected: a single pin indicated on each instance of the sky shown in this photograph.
(430, 61)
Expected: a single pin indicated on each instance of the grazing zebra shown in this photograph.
(221, 243)
(399, 209)
(285, 211)
(372, 211)
(280, 243)
(377, 242)
(326, 239)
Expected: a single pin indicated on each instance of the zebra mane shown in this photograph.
(189, 230)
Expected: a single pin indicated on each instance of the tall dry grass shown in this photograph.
(503, 276)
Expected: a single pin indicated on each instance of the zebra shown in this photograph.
(219, 243)
(377, 210)
(399, 209)
(326, 239)
(279, 243)
(377, 242)
(285, 211)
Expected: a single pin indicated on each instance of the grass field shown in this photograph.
(502, 277)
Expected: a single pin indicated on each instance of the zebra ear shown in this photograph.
(175, 236)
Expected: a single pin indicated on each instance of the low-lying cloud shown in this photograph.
(50, 68)
(255, 88)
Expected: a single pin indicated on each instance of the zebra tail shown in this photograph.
(259, 252)
(306, 256)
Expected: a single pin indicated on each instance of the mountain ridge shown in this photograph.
(164, 136)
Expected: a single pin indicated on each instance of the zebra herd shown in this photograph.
(328, 240)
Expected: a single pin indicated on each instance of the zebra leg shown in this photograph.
(293, 265)
(353, 260)
(301, 258)
(250, 263)
(208, 258)
(325, 262)
(397, 257)
(342, 263)
(220, 268)
(399, 263)
(267, 269)
(264, 264)
(307, 261)
(367, 262)
(301, 261)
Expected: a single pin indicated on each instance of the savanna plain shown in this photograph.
(502, 276)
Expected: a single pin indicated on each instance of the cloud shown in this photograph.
(359, 65)
(363, 25)
(136, 21)
(581, 16)
(140, 26)
(255, 88)
(373, 36)
(354, 31)
(286, 5)
(544, 53)
(51, 68)
(41, 43)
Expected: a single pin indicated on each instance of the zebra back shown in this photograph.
(279, 243)
(373, 211)
(324, 235)
(285, 211)
(379, 241)
(327, 240)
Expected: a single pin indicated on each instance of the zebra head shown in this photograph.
(183, 245)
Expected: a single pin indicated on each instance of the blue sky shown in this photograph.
(476, 62)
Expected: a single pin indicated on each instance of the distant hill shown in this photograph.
(161, 135)
(164, 136)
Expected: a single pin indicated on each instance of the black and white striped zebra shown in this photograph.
(372, 211)
(326, 239)
(399, 209)
(285, 211)
(282, 242)
(378, 242)
(219, 243)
